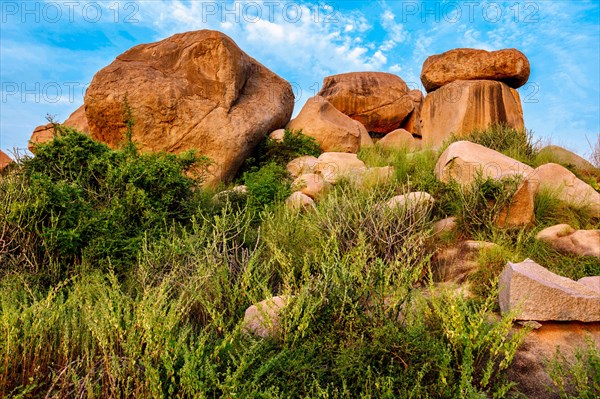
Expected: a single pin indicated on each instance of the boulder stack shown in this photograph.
(471, 89)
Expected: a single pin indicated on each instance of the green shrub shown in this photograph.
(267, 185)
(578, 377)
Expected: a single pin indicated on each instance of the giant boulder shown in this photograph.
(509, 66)
(378, 100)
(465, 105)
(333, 130)
(192, 91)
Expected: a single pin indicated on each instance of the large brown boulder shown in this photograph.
(5, 160)
(333, 130)
(535, 293)
(463, 161)
(378, 100)
(196, 90)
(413, 122)
(465, 105)
(45, 133)
(509, 66)
(567, 187)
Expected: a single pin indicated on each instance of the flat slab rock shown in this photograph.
(538, 294)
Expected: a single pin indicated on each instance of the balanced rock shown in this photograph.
(377, 100)
(399, 138)
(562, 182)
(565, 157)
(413, 122)
(45, 133)
(332, 130)
(564, 238)
(301, 165)
(262, 319)
(334, 166)
(5, 160)
(311, 184)
(538, 294)
(298, 201)
(462, 106)
(195, 90)
(509, 66)
(457, 262)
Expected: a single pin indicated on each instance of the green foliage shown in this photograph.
(78, 198)
(578, 377)
(267, 185)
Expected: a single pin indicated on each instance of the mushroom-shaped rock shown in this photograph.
(509, 66)
(301, 165)
(535, 293)
(465, 105)
(564, 238)
(377, 100)
(195, 90)
(311, 184)
(337, 165)
(262, 319)
(563, 183)
(333, 130)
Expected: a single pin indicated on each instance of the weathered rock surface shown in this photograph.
(509, 66)
(5, 160)
(463, 160)
(456, 263)
(378, 100)
(566, 157)
(277, 135)
(564, 238)
(333, 130)
(299, 201)
(399, 138)
(538, 294)
(301, 165)
(311, 184)
(194, 90)
(529, 368)
(465, 105)
(262, 319)
(337, 165)
(412, 124)
(445, 226)
(562, 182)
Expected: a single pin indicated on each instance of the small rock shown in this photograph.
(414, 201)
(445, 226)
(311, 184)
(301, 165)
(564, 238)
(262, 319)
(399, 138)
(334, 166)
(299, 201)
(538, 294)
(277, 135)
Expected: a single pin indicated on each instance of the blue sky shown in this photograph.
(50, 50)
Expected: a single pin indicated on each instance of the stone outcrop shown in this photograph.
(566, 239)
(262, 319)
(333, 130)
(509, 66)
(44, 133)
(412, 124)
(462, 106)
(399, 138)
(311, 184)
(334, 166)
(535, 293)
(566, 157)
(463, 160)
(379, 101)
(5, 160)
(195, 90)
(567, 187)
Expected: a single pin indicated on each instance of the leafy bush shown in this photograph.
(78, 198)
(267, 185)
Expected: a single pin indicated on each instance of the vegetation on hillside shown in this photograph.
(121, 277)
